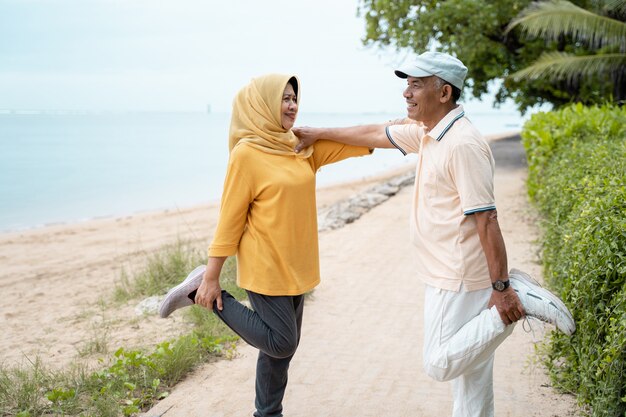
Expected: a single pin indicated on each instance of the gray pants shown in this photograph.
(273, 328)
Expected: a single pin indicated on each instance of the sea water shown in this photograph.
(64, 167)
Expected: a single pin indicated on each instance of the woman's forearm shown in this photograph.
(214, 268)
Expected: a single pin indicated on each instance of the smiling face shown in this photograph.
(422, 97)
(427, 99)
(289, 107)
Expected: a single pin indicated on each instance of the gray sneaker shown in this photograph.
(541, 303)
(178, 296)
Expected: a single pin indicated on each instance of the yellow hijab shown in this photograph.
(256, 117)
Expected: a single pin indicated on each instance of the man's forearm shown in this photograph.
(365, 135)
(492, 243)
(495, 252)
(371, 136)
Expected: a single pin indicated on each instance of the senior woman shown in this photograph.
(268, 219)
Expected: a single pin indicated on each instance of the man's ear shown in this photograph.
(446, 93)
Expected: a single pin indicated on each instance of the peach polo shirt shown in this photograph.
(454, 179)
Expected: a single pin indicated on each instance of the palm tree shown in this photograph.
(604, 35)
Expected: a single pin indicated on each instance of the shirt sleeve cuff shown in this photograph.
(392, 141)
(219, 251)
(478, 209)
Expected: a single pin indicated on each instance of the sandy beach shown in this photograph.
(361, 347)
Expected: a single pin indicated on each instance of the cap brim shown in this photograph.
(412, 71)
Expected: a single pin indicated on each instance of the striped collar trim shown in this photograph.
(446, 123)
(450, 125)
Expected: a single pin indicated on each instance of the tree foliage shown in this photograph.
(475, 32)
(551, 19)
(603, 34)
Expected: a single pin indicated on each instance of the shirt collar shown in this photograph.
(446, 123)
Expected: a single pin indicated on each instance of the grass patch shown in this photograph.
(132, 382)
(163, 269)
(128, 381)
(97, 344)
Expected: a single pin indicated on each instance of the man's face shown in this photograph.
(422, 97)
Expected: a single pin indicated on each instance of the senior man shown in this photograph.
(471, 300)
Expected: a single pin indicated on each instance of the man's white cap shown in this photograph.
(444, 66)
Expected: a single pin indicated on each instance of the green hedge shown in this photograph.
(577, 178)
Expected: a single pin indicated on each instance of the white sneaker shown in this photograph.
(541, 303)
(178, 296)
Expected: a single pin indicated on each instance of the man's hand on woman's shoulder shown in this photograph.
(307, 135)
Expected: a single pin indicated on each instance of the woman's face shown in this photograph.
(289, 107)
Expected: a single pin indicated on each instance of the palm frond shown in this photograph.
(563, 66)
(616, 5)
(551, 19)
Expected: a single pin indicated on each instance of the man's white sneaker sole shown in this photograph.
(541, 303)
(177, 297)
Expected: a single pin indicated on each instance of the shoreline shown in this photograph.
(321, 190)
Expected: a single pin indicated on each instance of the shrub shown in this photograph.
(577, 179)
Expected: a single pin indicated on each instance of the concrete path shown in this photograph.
(361, 348)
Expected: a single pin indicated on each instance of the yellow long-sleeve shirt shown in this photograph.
(268, 217)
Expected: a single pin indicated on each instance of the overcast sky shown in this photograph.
(186, 54)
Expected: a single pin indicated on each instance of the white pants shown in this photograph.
(460, 338)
